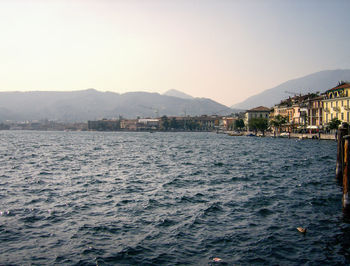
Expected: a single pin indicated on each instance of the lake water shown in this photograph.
(168, 199)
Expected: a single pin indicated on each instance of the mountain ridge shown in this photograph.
(315, 82)
(177, 93)
(91, 104)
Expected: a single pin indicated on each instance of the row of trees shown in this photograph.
(262, 124)
(255, 124)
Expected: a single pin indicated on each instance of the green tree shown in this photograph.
(193, 125)
(239, 124)
(278, 121)
(334, 123)
(165, 122)
(258, 124)
(173, 123)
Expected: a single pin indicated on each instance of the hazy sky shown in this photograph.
(224, 50)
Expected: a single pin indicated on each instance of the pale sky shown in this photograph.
(220, 49)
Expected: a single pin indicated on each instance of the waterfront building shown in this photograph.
(128, 124)
(314, 112)
(207, 122)
(258, 112)
(299, 115)
(284, 109)
(300, 111)
(336, 103)
(227, 123)
(281, 109)
(148, 123)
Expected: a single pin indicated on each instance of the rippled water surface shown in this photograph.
(167, 199)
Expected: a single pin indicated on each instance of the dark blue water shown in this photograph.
(167, 199)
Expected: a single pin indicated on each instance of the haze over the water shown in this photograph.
(224, 50)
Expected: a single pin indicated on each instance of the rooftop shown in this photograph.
(341, 85)
(260, 109)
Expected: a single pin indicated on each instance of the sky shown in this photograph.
(226, 50)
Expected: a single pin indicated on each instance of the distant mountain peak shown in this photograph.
(178, 94)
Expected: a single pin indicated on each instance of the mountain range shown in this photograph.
(91, 104)
(78, 106)
(316, 82)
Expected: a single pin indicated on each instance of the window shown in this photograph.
(342, 116)
(331, 104)
(347, 116)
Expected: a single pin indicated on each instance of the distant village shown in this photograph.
(313, 113)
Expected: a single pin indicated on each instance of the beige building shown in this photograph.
(301, 112)
(128, 124)
(314, 112)
(228, 122)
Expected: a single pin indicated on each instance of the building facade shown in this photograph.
(258, 112)
(314, 112)
(336, 103)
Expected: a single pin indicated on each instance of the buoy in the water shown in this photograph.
(301, 230)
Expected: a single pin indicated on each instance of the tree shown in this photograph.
(193, 125)
(173, 123)
(278, 121)
(258, 124)
(334, 123)
(239, 124)
(165, 122)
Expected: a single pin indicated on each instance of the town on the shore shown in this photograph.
(313, 115)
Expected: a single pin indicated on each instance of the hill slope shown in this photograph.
(91, 104)
(319, 81)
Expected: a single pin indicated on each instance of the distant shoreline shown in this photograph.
(243, 134)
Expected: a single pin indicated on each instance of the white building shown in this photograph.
(258, 112)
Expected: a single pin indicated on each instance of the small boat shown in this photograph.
(251, 135)
(284, 135)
